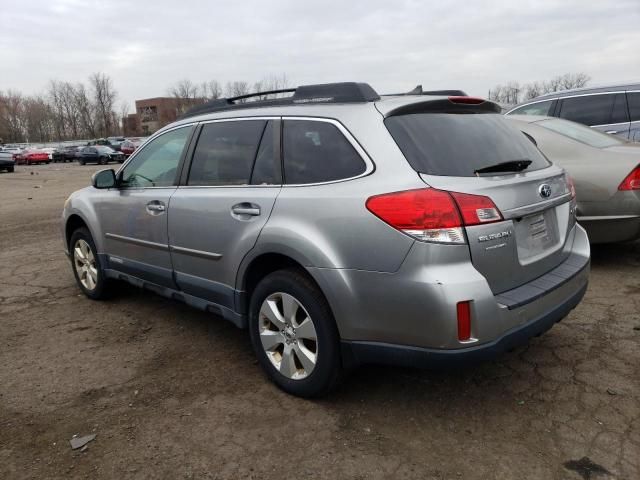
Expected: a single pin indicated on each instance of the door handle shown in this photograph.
(611, 131)
(246, 209)
(155, 207)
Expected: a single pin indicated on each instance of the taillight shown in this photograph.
(632, 182)
(476, 209)
(570, 185)
(433, 215)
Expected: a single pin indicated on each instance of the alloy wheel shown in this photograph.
(288, 336)
(85, 264)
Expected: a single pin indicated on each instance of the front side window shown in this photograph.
(317, 152)
(225, 153)
(157, 163)
(539, 108)
(592, 109)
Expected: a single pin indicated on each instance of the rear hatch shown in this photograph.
(470, 148)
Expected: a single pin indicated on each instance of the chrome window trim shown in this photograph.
(369, 165)
(561, 97)
(606, 124)
(530, 103)
(231, 119)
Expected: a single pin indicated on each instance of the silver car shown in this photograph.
(605, 169)
(341, 228)
(613, 109)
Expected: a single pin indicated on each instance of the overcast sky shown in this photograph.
(146, 46)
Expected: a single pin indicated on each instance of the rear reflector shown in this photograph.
(632, 182)
(467, 100)
(464, 320)
(433, 215)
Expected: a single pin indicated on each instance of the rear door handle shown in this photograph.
(155, 207)
(246, 209)
(611, 131)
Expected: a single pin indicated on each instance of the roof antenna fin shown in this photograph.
(415, 91)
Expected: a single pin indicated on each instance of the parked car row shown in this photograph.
(101, 151)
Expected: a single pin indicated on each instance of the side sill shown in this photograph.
(237, 319)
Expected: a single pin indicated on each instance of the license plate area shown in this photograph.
(536, 235)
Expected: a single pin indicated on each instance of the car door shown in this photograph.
(224, 199)
(134, 215)
(606, 112)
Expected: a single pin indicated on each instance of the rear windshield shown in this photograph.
(580, 133)
(459, 144)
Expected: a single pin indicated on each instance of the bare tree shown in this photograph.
(104, 96)
(236, 89)
(11, 116)
(211, 90)
(510, 93)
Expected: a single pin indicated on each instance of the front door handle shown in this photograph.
(156, 207)
(246, 209)
(611, 131)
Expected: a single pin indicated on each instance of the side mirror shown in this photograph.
(104, 179)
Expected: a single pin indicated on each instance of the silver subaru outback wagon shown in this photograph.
(342, 228)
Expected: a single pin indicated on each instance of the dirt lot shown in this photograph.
(172, 392)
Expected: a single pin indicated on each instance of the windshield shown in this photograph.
(103, 149)
(580, 133)
(459, 144)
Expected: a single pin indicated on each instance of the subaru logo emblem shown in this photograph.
(544, 190)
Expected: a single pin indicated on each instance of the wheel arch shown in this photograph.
(257, 266)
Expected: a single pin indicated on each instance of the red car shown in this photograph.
(28, 157)
(129, 146)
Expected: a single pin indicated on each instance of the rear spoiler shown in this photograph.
(451, 104)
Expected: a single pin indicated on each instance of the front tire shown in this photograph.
(86, 265)
(294, 335)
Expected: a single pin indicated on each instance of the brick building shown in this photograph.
(154, 113)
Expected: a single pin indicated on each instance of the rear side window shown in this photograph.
(266, 170)
(539, 108)
(225, 153)
(459, 144)
(316, 152)
(595, 109)
(634, 105)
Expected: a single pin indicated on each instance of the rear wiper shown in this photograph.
(511, 166)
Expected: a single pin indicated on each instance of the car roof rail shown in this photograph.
(437, 93)
(343, 92)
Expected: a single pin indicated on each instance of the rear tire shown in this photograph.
(294, 335)
(86, 265)
(81, 162)
(10, 169)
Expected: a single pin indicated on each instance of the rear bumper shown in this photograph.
(409, 317)
(358, 353)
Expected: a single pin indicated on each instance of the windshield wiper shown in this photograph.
(511, 166)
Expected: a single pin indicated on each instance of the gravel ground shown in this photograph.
(172, 392)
